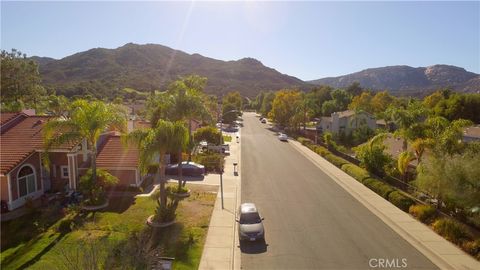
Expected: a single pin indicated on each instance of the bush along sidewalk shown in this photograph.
(448, 228)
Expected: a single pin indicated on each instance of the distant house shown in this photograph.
(346, 121)
(471, 134)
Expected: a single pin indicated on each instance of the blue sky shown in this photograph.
(309, 40)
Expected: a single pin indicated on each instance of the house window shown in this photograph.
(64, 171)
(26, 181)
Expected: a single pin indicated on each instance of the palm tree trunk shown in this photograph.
(180, 170)
(94, 163)
(304, 119)
(189, 139)
(163, 192)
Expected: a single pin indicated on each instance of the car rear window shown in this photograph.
(250, 218)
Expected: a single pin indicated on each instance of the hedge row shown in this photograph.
(322, 151)
(452, 230)
(356, 172)
(448, 228)
(400, 200)
(379, 187)
(304, 141)
(424, 213)
(337, 161)
(213, 162)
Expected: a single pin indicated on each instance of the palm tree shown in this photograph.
(403, 161)
(408, 121)
(87, 121)
(157, 142)
(419, 146)
(180, 142)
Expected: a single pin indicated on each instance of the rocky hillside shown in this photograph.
(148, 67)
(408, 79)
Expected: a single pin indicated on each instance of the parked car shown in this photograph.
(283, 137)
(250, 225)
(188, 169)
(223, 148)
(264, 121)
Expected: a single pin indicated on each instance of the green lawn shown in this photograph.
(118, 237)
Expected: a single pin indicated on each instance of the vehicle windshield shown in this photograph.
(250, 218)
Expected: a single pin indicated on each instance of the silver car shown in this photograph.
(250, 226)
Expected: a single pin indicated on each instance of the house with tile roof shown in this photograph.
(24, 175)
(346, 121)
(119, 160)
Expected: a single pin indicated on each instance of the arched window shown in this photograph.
(26, 180)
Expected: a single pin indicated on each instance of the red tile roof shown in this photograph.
(5, 117)
(114, 154)
(20, 140)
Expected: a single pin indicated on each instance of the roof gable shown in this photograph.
(20, 139)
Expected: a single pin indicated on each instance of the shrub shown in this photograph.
(213, 162)
(65, 225)
(165, 213)
(372, 157)
(209, 134)
(337, 161)
(95, 191)
(400, 200)
(304, 141)
(227, 138)
(356, 172)
(473, 248)
(176, 189)
(451, 230)
(378, 187)
(322, 151)
(424, 213)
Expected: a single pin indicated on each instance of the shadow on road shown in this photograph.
(256, 247)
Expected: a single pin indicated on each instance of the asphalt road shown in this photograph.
(310, 221)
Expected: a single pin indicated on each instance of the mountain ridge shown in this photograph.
(153, 66)
(403, 78)
(103, 72)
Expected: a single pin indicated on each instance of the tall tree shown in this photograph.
(283, 106)
(354, 89)
(20, 78)
(362, 102)
(316, 97)
(267, 102)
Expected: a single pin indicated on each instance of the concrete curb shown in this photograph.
(220, 250)
(438, 250)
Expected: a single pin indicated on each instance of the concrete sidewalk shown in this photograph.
(220, 250)
(441, 252)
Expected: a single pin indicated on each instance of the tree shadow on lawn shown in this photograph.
(119, 204)
(41, 253)
(256, 247)
(22, 229)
